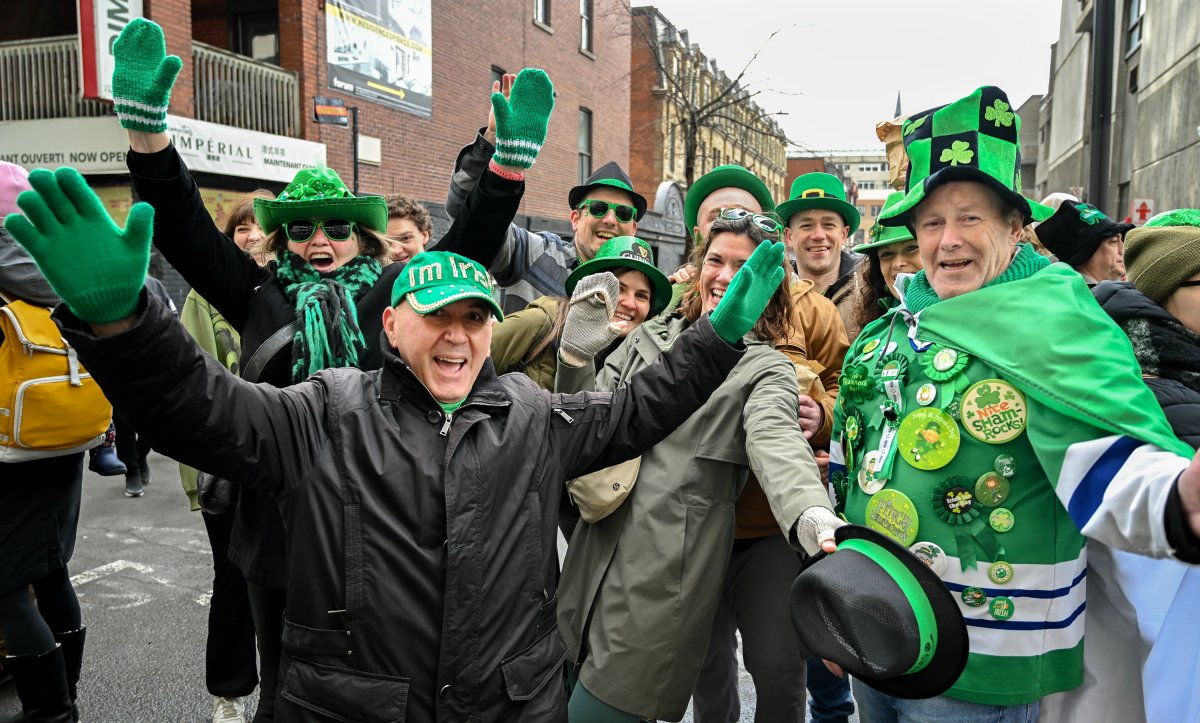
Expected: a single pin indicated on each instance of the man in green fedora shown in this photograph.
(817, 221)
(530, 265)
(995, 421)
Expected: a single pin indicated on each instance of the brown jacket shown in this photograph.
(816, 347)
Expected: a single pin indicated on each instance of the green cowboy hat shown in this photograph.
(818, 190)
(976, 138)
(626, 252)
(320, 193)
(727, 176)
(613, 176)
(886, 235)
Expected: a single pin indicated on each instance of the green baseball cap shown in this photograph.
(433, 279)
(818, 190)
(976, 138)
(320, 193)
(886, 235)
(727, 176)
(626, 252)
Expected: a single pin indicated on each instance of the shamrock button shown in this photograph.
(973, 597)
(994, 411)
(942, 363)
(1005, 465)
(928, 438)
(892, 513)
(1002, 608)
(944, 359)
(855, 383)
(868, 349)
(1000, 572)
(958, 500)
(1002, 519)
(992, 489)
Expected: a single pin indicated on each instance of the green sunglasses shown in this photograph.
(301, 230)
(599, 209)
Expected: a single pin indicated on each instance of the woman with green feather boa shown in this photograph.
(319, 301)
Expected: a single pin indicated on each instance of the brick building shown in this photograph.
(254, 67)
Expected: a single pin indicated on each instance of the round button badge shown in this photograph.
(928, 438)
(926, 394)
(1002, 608)
(892, 513)
(992, 489)
(1002, 519)
(932, 555)
(994, 411)
(974, 597)
(1000, 572)
(944, 359)
(867, 481)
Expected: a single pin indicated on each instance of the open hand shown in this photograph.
(503, 87)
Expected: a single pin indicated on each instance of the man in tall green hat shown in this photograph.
(995, 420)
(817, 221)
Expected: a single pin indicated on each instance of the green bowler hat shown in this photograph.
(320, 193)
(976, 138)
(886, 235)
(626, 252)
(878, 611)
(433, 279)
(727, 176)
(818, 190)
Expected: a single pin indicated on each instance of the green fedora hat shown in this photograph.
(433, 279)
(613, 176)
(818, 190)
(976, 138)
(886, 235)
(727, 176)
(320, 193)
(626, 252)
(882, 614)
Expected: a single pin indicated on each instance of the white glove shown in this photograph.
(589, 328)
(815, 526)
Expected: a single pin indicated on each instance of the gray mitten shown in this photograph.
(589, 328)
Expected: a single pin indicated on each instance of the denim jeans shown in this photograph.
(876, 707)
(830, 700)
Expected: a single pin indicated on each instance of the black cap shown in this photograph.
(1076, 230)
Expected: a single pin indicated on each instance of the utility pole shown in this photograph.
(1103, 16)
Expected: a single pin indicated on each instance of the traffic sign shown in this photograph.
(331, 110)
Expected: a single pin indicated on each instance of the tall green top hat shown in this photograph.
(818, 190)
(320, 193)
(727, 176)
(627, 252)
(886, 235)
(976, 138)
(612, 175)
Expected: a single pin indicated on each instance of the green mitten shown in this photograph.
(749, 292)
(95, 267)
(521, 118)
(142, 77)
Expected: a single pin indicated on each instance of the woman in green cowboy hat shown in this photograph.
(891, 251)
(528, 339)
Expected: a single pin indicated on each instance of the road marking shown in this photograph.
(96, 573)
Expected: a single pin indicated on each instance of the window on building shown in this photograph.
(258, 37)
(585, 25)
(862, 210)
(497, 73)
(541, 12)
(1134, 10)
(585, 145)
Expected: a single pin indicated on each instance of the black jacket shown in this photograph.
(254, 302)
(422, 551)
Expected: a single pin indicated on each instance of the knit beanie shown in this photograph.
(1164, 253)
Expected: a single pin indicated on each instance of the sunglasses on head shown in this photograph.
(599, 209)
(766, 223)
(301, 230)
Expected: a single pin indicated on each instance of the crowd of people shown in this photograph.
(913, 476)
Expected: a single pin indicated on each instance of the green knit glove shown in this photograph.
(521, 118)
(749, 292)
(95, 267)
(142, 77)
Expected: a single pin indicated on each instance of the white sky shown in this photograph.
(836, 65)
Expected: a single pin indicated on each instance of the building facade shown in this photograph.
(1118, 124)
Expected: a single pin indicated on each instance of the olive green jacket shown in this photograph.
(648, 576)
(519, 333)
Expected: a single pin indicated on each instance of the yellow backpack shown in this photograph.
(49, 406)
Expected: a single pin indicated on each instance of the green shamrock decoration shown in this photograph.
(999, 113)
(912, 125)
(1089, 214)
(986, 396)
(876, 230)
(958, 152)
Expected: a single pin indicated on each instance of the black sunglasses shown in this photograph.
(301, 230)
(599, 209)
(766, 223)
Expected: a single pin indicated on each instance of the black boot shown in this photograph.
(72, 648)
(133, 483)
(42, 687)
(144, 469)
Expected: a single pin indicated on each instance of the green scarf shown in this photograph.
(327, 333)
(919, 294)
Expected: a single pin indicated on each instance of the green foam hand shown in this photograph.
(749, 292)
(521, 119)
(142, 77)
(98, 269)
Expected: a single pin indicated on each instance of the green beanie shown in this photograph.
(1164, 253)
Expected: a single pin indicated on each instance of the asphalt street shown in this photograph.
(143, 572)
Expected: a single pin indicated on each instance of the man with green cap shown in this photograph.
(530, 265)
(817, 221)
(995, 420)
(419, 508)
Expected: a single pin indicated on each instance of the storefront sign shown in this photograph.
(381, 51)
(100, 22)
(98, 145)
